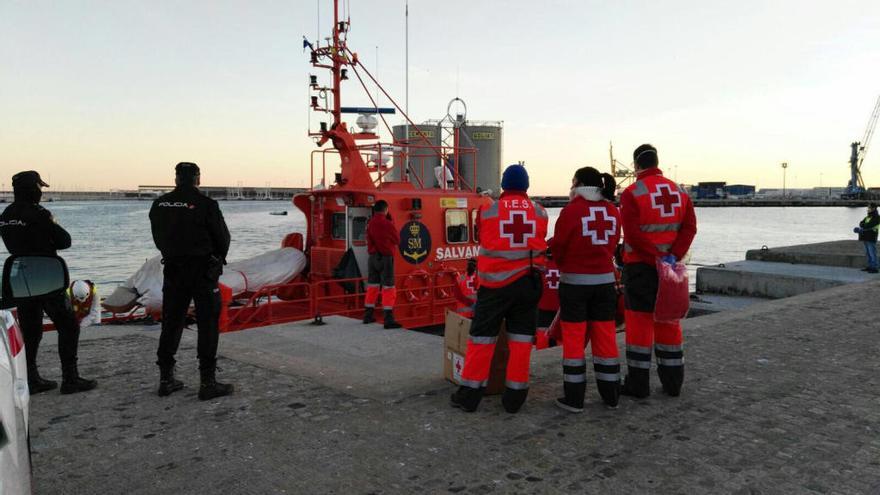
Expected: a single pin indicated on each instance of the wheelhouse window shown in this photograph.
(337, 226)
(359, 229)
(456, 226)
(474, 214)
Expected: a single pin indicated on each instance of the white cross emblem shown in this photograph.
(666, 200)
(518, 229)
(599, 227)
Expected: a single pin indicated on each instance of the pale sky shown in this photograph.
(111, 94)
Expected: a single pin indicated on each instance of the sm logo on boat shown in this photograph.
(415, 242)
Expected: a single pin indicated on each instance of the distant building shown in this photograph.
(710, 190)
(739, 191)
(227, 192)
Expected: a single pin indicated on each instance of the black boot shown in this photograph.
(637, 383)
(210, 387)
(72, 383)
(672, 378)
(369, 315)
(513, 399)
(466, 398)
(167, 383)
(36, 383)
(389, 320)
(609, 391)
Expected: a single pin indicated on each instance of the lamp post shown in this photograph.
(784, 166)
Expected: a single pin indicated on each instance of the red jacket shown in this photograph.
(550, 295)
(465, 290)
(586, 234)
(382, 235)
(658, 218)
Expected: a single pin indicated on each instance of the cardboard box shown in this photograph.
(455, 340)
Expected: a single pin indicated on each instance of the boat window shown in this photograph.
(359, 228)
(337, 228)
(456, 226)
(474, 214)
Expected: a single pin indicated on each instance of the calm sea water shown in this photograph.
(111, 239)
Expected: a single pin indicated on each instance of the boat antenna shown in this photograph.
(406, 65)
(377, 75)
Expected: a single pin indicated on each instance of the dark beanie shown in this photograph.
(645, 156)
(589, 176)
(515, 178)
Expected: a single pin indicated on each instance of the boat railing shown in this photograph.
(419, 304)
(384, 161)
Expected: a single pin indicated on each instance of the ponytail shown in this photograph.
(609, 186)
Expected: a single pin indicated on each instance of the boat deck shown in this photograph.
(780, 397)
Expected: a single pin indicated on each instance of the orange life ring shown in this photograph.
(416, 286)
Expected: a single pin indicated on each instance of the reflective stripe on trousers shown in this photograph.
(638, 356)
(669, 355)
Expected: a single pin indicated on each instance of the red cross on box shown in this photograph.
(552, 278)
(599, 226)
(518, 229)
(666, 200)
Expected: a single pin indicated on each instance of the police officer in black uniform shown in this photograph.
(29, 229)
(189, 230)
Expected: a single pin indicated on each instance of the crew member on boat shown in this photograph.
(512, 234)
(382, 241)
(584, 240)
(189, 230)
(29, 229)
(658, 223)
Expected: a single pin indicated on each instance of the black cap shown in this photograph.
(28, 178)
(187, 169)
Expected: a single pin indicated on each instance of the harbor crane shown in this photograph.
(855, 189)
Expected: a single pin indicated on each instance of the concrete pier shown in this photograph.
(780, 397)
(774, 280)
(846, 254)
(774, 273)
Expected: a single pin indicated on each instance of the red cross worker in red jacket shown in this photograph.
(382, 241)
(465, 290)
(584, 240)
(512, 232)
(658, 222)
(548, 306)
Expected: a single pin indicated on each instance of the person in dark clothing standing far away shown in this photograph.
(584, 240)
(191, 234)
(658, 222)
(382, 241)
(512, 234)
(867, 231)
(29, 229)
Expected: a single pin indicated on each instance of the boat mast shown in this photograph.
(337, 53)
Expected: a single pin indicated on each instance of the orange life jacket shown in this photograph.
(512, 239)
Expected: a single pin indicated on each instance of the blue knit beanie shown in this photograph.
(515, 178)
